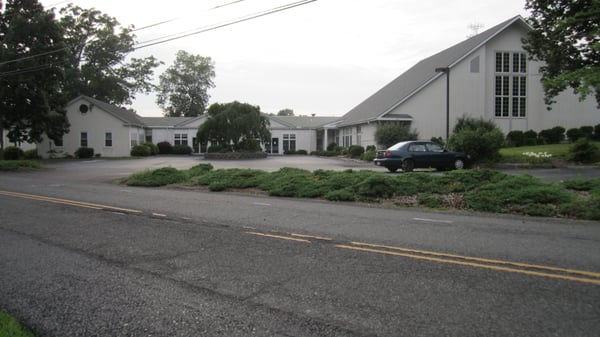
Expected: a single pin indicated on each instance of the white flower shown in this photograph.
(537, 154)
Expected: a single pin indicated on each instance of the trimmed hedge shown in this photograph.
(84, 152)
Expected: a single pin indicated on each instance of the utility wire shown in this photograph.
(23, 58)
(167, 38)
(178, 36)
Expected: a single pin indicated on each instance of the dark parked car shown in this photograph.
(419, 154)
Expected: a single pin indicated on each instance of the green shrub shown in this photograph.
(182, 149)
(597, 132)
(431, 200)
(515, 192)
(153, 148)
(356, 151)
(160, 177)
(439, 140)
(291, 182)
(84, 152)
(302, 152)
(584, 151)
(371, 148)
(13, 153)
(369, 155)
(31, 154)
(515, 138)
(553, 136)
(17, 165)
(575, 134)
(540, 210)
(140, 151)
(582, 209)
(332, 146)
(589, 185)
(480, 144)
(531, 137)
(198, 170)
(346, 194)
(217, 186)
(164, 148)
(587, 131)
(230, 178)
(471, 123)
(388, 134)
(376, 186)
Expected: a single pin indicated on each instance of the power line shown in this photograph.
(167, 38)
(23, 58)
(177, 36)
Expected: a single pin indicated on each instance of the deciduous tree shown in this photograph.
(32, 61)
(183, 88)
(98, 48)
(566, 36)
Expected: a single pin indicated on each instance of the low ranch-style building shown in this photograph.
(112, 131)
(488, 75)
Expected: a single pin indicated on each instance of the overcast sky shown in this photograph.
(322, 58)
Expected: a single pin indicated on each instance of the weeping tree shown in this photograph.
(234, 126)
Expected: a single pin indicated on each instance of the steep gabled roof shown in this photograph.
(129, 117)
(417, 77)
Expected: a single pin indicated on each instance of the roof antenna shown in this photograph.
(475, 27)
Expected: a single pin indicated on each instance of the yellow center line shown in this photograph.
(278, 237)
(68, 202)
(472, 264)
(310, 237)
(484, 260)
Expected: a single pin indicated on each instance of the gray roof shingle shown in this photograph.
(127, 116)
(304, 122)
(417, 77)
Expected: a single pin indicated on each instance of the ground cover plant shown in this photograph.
(10, 327)
(19, 165)
(482, 190)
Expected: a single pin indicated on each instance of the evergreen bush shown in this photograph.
(356, 151)
(13, 153)
(182, 149)
(165, 147)
(141, 150)
(84, 152)
(584, 151)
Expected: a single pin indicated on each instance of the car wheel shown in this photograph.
(392, 169)
(459, 164)
(408, 165)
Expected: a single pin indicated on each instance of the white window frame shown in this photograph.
(108, 138)
(510, 84)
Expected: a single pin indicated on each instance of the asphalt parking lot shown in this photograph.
(106, 170)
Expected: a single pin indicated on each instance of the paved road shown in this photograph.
(113, 260)
(106, 170)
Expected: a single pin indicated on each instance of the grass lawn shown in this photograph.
(10, 327)
(19, 165)
(539, 154)
(556, 150)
